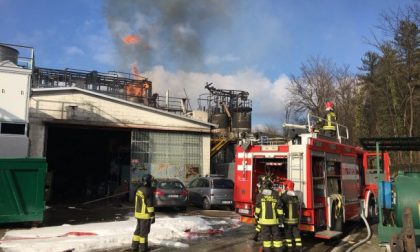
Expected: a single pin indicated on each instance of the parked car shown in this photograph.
(211, 191)
(170, 192)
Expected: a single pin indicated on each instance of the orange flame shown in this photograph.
(131, 39)
(135, 89)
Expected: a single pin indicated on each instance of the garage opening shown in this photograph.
(86, 163)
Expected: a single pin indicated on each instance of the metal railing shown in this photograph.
(316, 123)
(114, 84)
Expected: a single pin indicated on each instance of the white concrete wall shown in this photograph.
(14, 85)
(37, 138)
(206, 155)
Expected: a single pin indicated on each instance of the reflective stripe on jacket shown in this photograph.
(331, 117)
(268, 207)
(144, 203)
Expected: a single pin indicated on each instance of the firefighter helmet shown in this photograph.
(267, 183)
(289, 185)
(147, 180)
(329, 106)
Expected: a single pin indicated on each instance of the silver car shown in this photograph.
(211, 191)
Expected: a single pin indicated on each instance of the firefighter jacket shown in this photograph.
(291, 207)
(268, 208)
(144, 203)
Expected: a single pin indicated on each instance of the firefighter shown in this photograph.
(144, 213)
(257, 225)
(291, 208)
(269, 214)
(330, 118)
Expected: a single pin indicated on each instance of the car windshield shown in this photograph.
(223, 184)
(171, 185)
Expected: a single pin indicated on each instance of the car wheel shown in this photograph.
(206, 204)
(183, 209)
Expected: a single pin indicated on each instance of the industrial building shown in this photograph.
(98, 131)
(231, 111)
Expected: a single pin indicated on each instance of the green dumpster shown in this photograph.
(22, 182)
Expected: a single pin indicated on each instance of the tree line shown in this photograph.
(383, 99)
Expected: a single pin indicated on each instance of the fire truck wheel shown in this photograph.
(336, 223)
(206, 204)
(372, 213)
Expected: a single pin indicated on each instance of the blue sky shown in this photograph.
(250, 45)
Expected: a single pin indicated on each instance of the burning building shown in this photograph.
(100, 132)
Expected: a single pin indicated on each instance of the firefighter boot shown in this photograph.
(135, 246)
(143, 247)
(298, 249)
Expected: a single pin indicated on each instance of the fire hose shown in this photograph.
(338, 205)
(369, 233)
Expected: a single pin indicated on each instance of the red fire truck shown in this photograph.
(331, 177)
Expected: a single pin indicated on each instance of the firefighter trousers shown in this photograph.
(140, 235)
(270, 234)
(292, 234)
(257, 232)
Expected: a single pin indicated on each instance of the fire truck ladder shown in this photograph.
(295, 170)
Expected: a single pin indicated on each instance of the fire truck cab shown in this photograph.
(331, 177)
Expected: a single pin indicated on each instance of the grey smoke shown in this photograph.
(173, 32)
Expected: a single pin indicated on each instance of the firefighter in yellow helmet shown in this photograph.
(291, 208)
(269, 214)
(144, 213)
(330, 118)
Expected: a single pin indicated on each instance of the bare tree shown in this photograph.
(346, 98)
(313, 88)
(322, 81)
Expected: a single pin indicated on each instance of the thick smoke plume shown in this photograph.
(165, 32)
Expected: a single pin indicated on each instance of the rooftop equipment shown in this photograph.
(230, 109)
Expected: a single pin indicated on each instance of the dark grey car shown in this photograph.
(170, 192)
(211, 191)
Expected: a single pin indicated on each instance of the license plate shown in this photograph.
(243, 211)
(173, 196)
(226, 202)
